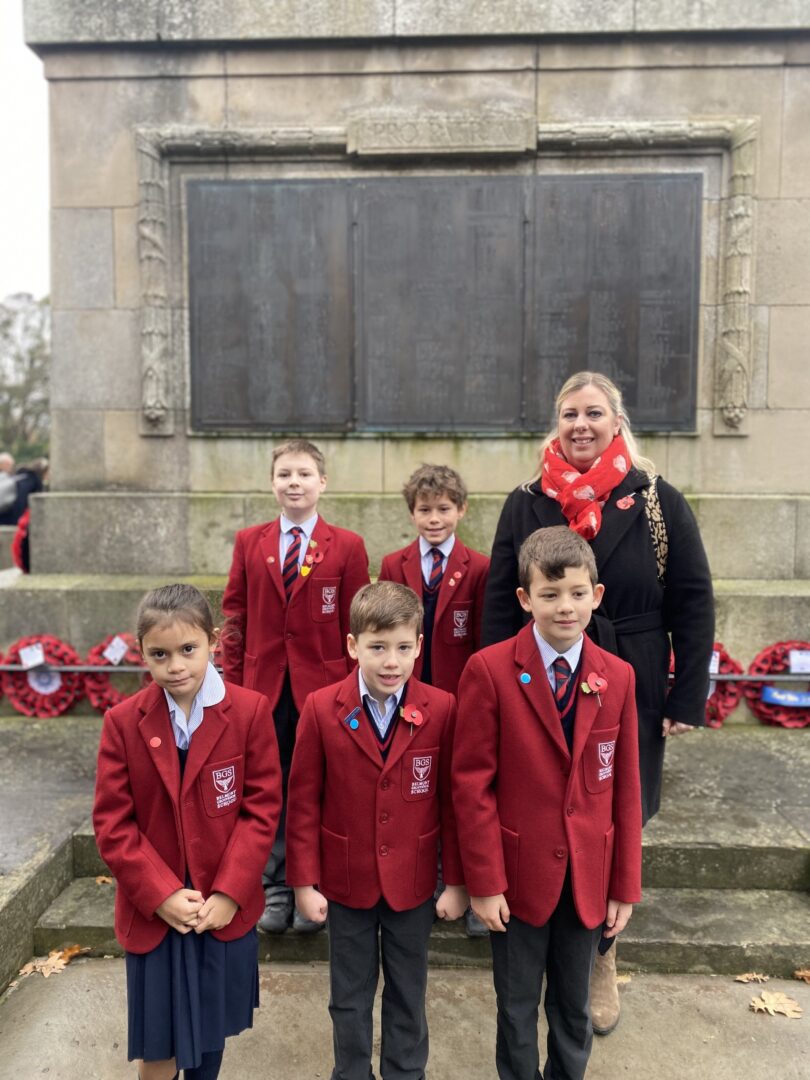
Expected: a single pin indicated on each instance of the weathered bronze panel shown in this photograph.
(616, 286)
(440, 303)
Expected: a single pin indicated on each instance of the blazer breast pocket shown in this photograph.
(221, 785)
(324, 597)
(419, 771)
(598, 760)
(458, 623)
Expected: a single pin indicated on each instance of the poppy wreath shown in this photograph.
(726, 695)
(43, 692)
(775, 661)
(98, 686)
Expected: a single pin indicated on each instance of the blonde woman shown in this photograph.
(651, 560)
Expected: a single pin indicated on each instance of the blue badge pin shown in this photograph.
(352, 720)
(525, 678)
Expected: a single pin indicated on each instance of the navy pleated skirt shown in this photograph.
(185, 997)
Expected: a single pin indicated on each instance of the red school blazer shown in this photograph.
(265, 635)
(526, 808)
(459, 606)
(218, 827)
(360, 828)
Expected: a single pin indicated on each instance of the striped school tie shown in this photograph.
(436, 572)
(562, 676)
(289, 571)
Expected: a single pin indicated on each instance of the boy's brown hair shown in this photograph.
(382, 606)
(433, 481)
(553, 551)
(299, 446)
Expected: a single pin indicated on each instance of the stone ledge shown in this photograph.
(68, 22)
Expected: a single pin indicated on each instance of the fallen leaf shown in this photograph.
(751, 976)
(56, 961)
(802, 973)
(620, 979)
(776, 1002)
(103, 879)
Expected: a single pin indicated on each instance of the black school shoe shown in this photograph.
(278, 910)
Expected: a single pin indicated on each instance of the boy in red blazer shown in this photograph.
(547, 796)
(370, 800)
(449, 577)
(287, 606)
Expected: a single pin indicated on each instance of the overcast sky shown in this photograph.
(24, 171)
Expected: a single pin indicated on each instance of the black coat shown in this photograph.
(642, 611)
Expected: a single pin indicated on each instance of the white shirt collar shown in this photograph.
(211, 692)
(307, 527)
(549, 654)
(390, 702)
(446, 546)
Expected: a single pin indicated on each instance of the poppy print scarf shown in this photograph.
(582, 495)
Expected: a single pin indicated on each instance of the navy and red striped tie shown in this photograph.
(562, 676)
(436, 572)
(289, 571)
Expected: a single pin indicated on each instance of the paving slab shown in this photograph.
(72, 1026)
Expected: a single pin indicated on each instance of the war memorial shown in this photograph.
(395, 227)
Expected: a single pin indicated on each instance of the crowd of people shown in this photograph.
(461, 737)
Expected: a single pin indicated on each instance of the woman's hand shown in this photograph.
(675, 727)
(181, 910)
(216, 912)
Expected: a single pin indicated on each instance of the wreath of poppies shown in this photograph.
(98, 686)
(725, 697)
(42, 691)
(775, 661)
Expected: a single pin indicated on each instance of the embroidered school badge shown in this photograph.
(461, 621)
(606, 752)
(421, 773)
(224, 781)
(328, 597)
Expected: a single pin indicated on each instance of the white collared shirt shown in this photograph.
(285, 536)
(382, 717)
(548, 655)
(211, 692)
(426, 553)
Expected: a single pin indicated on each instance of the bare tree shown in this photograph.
(25, 359)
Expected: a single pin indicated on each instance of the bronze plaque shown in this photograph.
(440, 303)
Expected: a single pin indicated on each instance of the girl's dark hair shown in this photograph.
(182, 602)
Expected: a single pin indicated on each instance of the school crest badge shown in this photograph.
(606, 752)
(421, 767)
(224, 779)
(328, 598)
(461, 623)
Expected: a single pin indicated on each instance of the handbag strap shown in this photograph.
(658, 527)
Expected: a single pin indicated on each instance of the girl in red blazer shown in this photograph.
(188, 797)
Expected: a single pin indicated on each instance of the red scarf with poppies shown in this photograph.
(582, 495)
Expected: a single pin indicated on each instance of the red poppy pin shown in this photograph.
(625, 502)
(411, 716)
(595, 684)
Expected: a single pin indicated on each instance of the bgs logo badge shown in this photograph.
(420, 785)
(224, 782)
(606, 752)
(328, 595)
(461, 621)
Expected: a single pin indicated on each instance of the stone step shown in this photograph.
(83, 609)
(702, 931)
(718, 931)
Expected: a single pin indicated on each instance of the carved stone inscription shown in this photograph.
(616, 282)
(440, 303)
(442, 133)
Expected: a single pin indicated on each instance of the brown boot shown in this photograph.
(604, 993)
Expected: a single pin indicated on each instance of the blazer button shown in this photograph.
(282, 667)
(570, 811)
(560, 853)
(383, 849)
(385, 785)
(383, 818)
